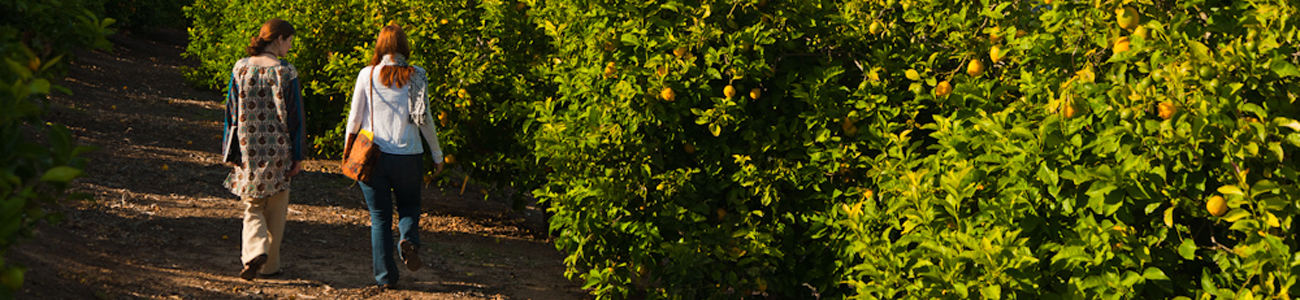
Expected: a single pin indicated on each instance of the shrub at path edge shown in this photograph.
(38, 159)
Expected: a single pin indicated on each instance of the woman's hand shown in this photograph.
(437, 168)
(295, 169)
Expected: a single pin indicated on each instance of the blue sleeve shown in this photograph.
(297, 128)
(229, 147)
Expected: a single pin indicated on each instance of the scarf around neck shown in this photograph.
(419, 110)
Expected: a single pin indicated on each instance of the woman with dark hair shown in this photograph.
(389, 100)
(264, 143)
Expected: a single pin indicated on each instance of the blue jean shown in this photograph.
(398, 175)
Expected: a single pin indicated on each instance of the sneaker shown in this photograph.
(410, 255)
(251, 267)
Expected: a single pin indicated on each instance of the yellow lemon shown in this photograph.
(667, 94)
(1069, 111)
(1127, 18)
(1167, 110)
(1143, 32)
(680, 51)
(755, 93)
(975, 68)
(995, 54)
(729, 91)
(943, 89)
(1122, 44)
(610, 69)
(1217, 206)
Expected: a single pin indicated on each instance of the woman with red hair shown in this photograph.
(389, 99)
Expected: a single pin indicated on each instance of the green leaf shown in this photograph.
(1207, 281)
(1187, 249)
(1235, 214)
(1231, 190)
(992, 292)
(61, 174)
(1097, 195)
(630, 39)
(1245, 294)
(61, 89)
(593, 278)
(1131, 278)
(1200, 50)
(1246, 225)
(1288, 123)
(1153, 273)
(1263, 186)
(1274, 203)
(1284, 68)
(18, 68)
(40, 86)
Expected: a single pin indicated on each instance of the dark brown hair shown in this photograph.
(392, 40)
(272, 30)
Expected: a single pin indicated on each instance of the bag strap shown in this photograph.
(370, 107)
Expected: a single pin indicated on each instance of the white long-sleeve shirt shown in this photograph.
(394, 132)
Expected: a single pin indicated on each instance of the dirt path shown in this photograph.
(161, 227)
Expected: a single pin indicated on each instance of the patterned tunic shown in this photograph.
(262, 138)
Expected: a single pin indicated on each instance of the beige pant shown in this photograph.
(264, 220)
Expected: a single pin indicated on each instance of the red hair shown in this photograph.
(392, 41)
(272, 30)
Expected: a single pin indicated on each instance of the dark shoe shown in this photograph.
(410, 255)
(251, 267)
(275, 274)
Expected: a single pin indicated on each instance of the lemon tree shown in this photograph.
(1092, 162)
(705, 168)
(923, 149)
(38, 159)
